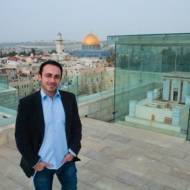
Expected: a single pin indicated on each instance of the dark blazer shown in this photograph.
(30, 125)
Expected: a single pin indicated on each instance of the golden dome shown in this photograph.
(91, 39)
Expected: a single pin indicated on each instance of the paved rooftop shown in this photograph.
(7, 116)
(114, 158)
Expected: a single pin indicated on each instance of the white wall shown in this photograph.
(145, 112)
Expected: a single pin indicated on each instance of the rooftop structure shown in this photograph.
(176, 87)
(59, 44)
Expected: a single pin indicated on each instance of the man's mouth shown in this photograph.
(52, 86)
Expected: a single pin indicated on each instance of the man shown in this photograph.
(48, 132)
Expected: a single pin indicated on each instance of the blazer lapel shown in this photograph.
(65, 106)
(40, 115)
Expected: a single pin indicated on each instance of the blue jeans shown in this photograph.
(67, 176)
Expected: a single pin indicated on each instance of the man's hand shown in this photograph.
(40, 166)
(68, 157)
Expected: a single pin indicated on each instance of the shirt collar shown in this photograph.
(44, 95)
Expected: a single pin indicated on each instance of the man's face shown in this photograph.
(50, 79)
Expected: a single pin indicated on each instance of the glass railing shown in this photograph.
(95, 93)
(87, 84)
(8, 94)
(4, 82)
(152, 83)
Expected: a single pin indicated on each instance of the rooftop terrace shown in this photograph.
(113, 158)
(7, 116)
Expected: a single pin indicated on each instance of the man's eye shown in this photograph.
(57, 77)
(48, 76)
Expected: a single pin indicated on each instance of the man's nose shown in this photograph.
(52, 79)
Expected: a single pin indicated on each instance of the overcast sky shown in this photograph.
(30, 20)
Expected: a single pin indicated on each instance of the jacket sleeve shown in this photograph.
(22, 135)
(76, 129)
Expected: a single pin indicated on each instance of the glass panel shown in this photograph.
(94, 91)
(3, 82)
(152, 82)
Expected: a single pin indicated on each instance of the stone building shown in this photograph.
(176, 87)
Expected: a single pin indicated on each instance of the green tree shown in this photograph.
(12, 53)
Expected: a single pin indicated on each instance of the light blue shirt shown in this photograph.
(54, 145)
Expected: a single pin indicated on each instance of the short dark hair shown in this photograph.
(50, 62)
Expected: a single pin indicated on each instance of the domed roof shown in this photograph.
(59, 36)
(91, 39)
